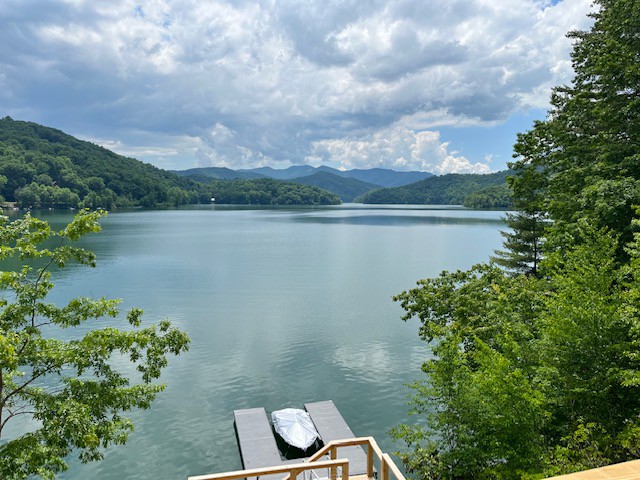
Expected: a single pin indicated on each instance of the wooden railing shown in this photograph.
(385, 464)
(291, 469)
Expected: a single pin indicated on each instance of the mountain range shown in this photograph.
(347, 184)
(41, 167)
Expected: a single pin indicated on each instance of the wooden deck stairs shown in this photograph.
(325, 464)
(343, 455)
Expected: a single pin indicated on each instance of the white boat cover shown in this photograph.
(295, 427)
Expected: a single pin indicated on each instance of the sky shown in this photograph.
(430, 85)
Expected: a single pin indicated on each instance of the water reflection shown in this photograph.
(283, 305)
(393, 220)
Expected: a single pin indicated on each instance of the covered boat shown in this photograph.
(295, 427)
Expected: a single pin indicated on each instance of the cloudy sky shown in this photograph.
(433, 85)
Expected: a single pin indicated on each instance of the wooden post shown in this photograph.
(392, 466)
(370, 461)
(385, 469)
(345, 471)
(333, 455)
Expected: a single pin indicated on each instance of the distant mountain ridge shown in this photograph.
(346, 184)
(381, 177)
(218, 173)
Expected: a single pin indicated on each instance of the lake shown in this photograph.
(283, 306)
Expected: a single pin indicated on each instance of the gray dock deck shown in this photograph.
(258, 447)
(331, 426)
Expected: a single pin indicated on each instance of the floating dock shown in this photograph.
(258, 446)
(331, 426)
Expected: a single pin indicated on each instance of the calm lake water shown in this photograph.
(283, 307)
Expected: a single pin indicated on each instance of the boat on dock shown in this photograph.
(295, 428)
(339, 453)
(259, 446)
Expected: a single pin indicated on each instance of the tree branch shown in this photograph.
(24, 385)
(15, 414)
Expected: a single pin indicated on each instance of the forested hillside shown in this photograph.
(267, 191)
(346, 188)
(41, 167)
(534, 369)
(450, 189)
(44, 167)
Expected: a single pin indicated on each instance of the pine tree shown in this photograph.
(523, 245)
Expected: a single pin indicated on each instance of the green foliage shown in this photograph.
(523, 245)
(267, 191)
(71, 389)
(44, 167)
(480, 403)
(498, 196)
(346, 188)
(584, 160)
(529, 376)
(450, 189)
(41, 195)
(538, 375)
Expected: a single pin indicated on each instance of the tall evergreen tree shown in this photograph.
(523, 245)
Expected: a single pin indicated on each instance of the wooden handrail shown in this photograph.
(387, 464)
(291, 469)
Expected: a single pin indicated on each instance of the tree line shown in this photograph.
(267, 191)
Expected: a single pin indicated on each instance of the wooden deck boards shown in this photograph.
(621, 471)
(332, 426)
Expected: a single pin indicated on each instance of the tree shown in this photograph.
(70, 388)
(586, 156)
(523, 245)
(538, 375)
(528, 376)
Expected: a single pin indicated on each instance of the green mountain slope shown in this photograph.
(346, 188)
(44, 167)
(450, 189)
(269, 191)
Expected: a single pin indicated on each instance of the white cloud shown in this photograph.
(287, 80)
(397, 147)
